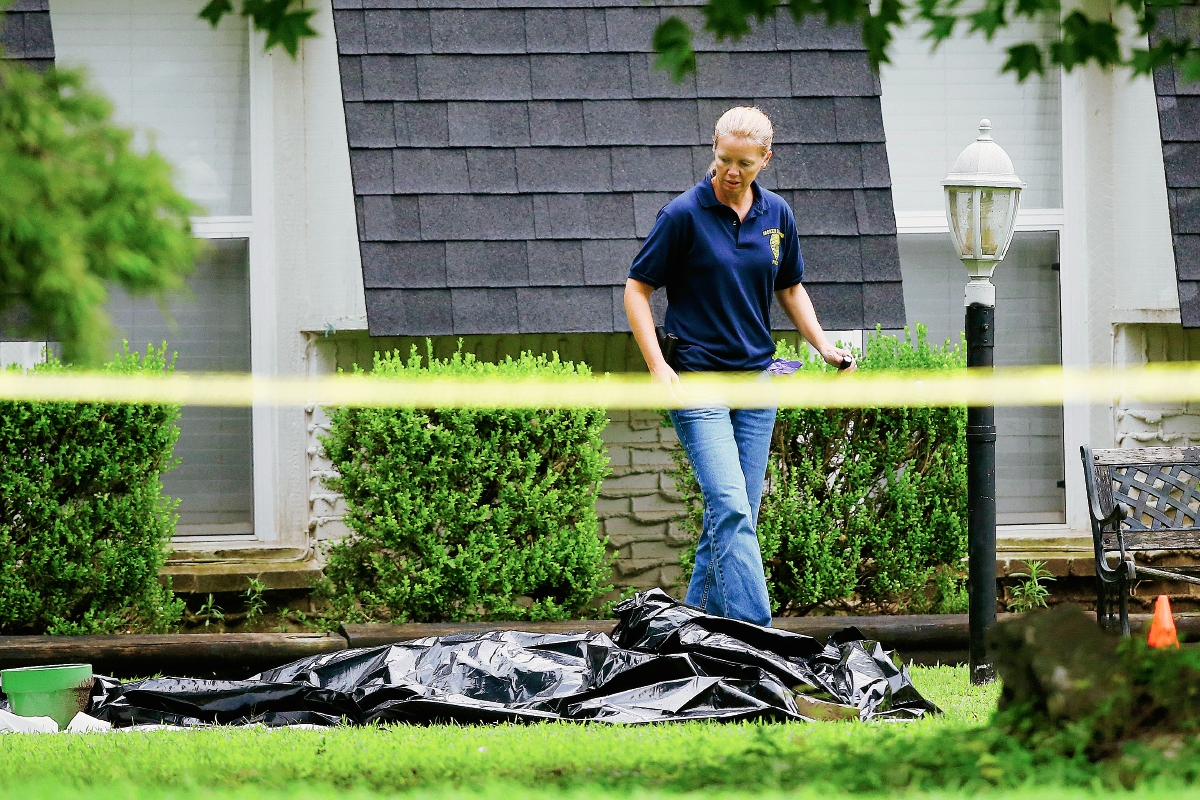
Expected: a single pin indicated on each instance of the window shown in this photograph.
(185, 89)
(181, 84)
(211, 332)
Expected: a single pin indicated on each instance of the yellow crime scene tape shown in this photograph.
(1038, 386)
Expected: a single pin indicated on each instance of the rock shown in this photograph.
(1070, 685)
(1059, 661)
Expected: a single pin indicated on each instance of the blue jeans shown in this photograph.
(728, 450)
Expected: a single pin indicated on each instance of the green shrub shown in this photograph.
(865, 506)
(84, 525)
(467, 513)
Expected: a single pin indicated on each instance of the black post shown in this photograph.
(981, 496)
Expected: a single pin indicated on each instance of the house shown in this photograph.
(483, 170)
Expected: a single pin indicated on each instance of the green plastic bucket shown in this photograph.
(58, 692)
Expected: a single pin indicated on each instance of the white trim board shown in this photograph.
(222, 227)
(263, 321)
(1074, 289)
(1028, 219)
(1144, 316)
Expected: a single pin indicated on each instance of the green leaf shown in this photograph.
(868, 504)
(840, 10)
(877, 30)
(461, 513)
(1084, 40)
(215, 10)
(91, 528)
(731, 18)
(80, 210)
(1024, 59)
(673, 43)
(290, 30)
(990, 18)
(1189, 67)
(941, 27)
(1033, 8)
(285, 22)
(1167, 50)
(941, 16)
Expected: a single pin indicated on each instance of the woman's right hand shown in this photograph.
(641, 322)
(664, 374)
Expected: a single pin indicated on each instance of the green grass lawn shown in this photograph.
(500, 791)
(951, 756)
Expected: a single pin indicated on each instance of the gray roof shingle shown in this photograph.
(595, 76)
(559, 30)
(648, 82)
(485, 311)
(565, 309)
(824, 212)
(350, 68)
(475, 31)
(606, 261)
(556, 124)
(1179, 124)
(825, 73)
(1185, 210)
(422, 124)
(467, 77)
(486, 264)
(508, 154)
(404, 265)
(389, 218)
(398, 312)
(389, 77)
(553, 262)
(502, 124)
(859, 119)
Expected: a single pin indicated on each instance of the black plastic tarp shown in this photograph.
(663, 662)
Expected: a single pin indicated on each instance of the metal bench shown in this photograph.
(1140, 500)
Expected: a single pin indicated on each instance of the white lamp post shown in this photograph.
(983, 193)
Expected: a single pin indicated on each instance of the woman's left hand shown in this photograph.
(836, 356)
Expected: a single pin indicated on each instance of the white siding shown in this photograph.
(24, 354)
(1142, 234)
(932, 104)
(182, 85)
(332, 288)
(1029, 445)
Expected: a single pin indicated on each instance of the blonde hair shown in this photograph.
(745, 122)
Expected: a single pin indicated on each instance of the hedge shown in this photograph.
(84, 524)
(462, 514)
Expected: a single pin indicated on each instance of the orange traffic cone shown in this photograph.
(1162, 628)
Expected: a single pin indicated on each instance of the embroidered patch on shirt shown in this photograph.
(776, 238)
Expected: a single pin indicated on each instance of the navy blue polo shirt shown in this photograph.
(720, 274)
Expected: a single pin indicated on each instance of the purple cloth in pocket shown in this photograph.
(782, 366)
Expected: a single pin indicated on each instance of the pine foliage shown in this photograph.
(80, 209)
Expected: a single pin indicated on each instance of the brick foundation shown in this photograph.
(638, 506)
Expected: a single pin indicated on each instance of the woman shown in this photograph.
(721, 249)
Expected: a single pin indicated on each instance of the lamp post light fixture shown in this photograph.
(983, 193)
